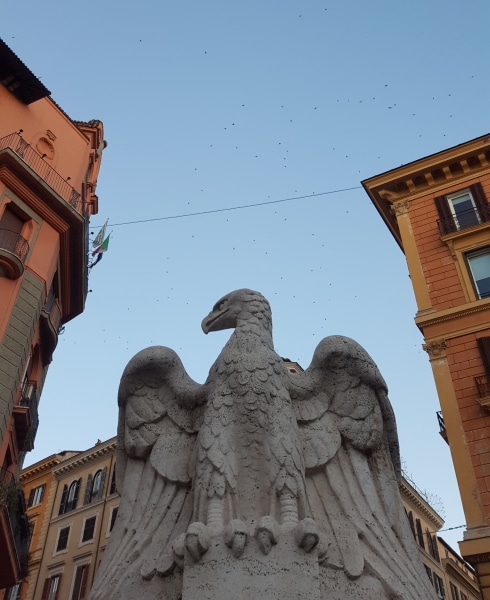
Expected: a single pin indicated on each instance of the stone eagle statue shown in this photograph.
(258, 471)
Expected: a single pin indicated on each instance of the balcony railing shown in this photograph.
(464, 219)
(442, 426)
(13, 503)
(50, 326)
(13, 242)
(483, 386)
(37, 163)
(26, 417)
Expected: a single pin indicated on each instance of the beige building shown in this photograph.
(72, 505)
(450, 575)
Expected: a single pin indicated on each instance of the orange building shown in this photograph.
(48, 172)
(438, 210)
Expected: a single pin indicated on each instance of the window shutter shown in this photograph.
(79, 585)
(484, 347)
(446, 220)
(31, 497)
(46, 589)
(436, 548)
(102, 483)
(64, 497)
(478, 195)
(410, 520)
(77, 491)
(88, 490)
(420, 535)
(113, 481)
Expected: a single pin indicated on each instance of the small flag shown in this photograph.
(100, 236)
(103, 247)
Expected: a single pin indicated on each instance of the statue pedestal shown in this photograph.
(286, 573)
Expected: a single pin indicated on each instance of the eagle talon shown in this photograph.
(266, 534)
(236, 536)
(197, 540)
(306, 534)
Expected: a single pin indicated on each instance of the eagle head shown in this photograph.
(234, 307)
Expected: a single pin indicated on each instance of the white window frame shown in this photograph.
(474, 254)
(92, 539)
(460, 194)
(38, 495)
(64, 526)
(58, 575)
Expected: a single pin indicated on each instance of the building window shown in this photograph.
(36, 495)
(479, 264)
(429, 574)
(420, 535)
(454, 591)
(95, 486)
(51, 588)
(439, 585)
(80, 582)
(69, 497)
(462, 209)
(432, 545)
(113, 518)
(113, 489)
(62, 542)
(13, 593)
(464, 596)
(88, 529)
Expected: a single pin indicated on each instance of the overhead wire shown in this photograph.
(230, 208)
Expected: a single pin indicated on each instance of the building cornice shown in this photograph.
(39, 468)
(428, 175)
(95, 453)
(450, 314)
(414, 497)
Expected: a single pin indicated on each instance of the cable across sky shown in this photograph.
(218, 210)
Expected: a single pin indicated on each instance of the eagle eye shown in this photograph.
(220, 304)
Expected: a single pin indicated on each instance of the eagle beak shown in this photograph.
(205, 324)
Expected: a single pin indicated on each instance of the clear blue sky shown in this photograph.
(214, 105)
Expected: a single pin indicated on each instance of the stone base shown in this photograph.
(286, 573)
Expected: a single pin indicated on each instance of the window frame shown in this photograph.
(448, 217)
(85, 527)
(112, 519)
(48, 592)
(58, 550)
(13, 592)
(36, 495)
(69, 497)
(451, 204)
(79, 589)
(484, 251)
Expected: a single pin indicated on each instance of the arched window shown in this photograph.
(95, 486)
(69, 497)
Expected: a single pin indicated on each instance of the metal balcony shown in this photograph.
(36, 162)
(464, 220)
(26, 417)
(50, 326)
(14, 531)
(483, 386)
(13, 252)
(442, 426)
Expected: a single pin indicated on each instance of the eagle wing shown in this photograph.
(160, 411)
(352, 461)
